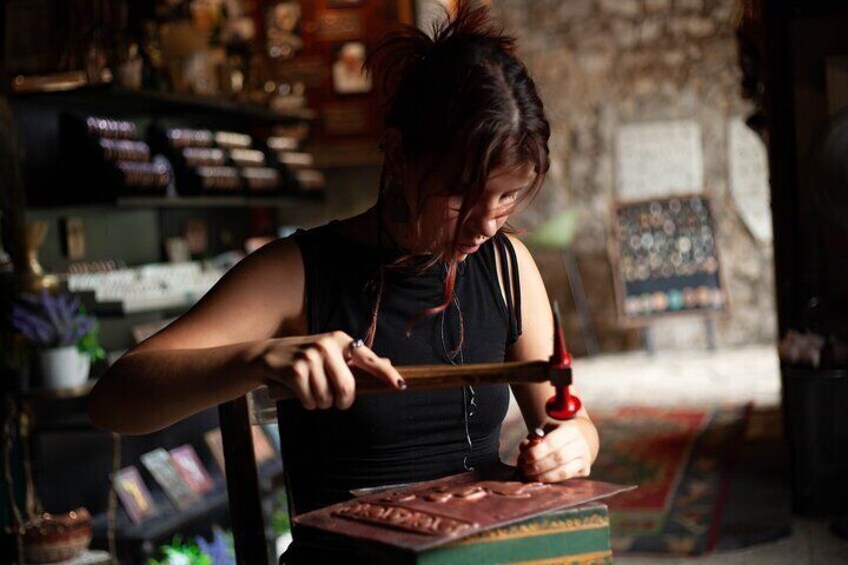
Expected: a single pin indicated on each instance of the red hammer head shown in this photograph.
(563, 405)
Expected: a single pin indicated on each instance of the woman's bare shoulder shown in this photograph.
(282, 253)
(521, 252)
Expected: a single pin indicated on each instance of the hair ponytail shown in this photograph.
(460, 91)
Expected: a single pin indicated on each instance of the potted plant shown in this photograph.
(182, 552)
(63, 334)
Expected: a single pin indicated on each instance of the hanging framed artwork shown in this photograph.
(349, 76)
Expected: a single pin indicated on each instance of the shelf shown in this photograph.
(164, 524)
(135, 202)
(283, 201)
(170, 520)
(212, 104)
(46, 394)
(171, 305)
(167, 103)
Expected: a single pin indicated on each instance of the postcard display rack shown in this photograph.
(179, 489)
(666, 262)
(183, 162)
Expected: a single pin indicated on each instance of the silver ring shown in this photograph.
(355, 344)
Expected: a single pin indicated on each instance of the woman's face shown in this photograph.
(504, 189)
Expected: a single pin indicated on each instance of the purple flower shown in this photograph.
(218, 549)
(51, 321)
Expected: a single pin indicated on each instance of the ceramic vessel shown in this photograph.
(63, 367)
(57, 537)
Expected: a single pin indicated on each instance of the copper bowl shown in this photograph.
(57, 537)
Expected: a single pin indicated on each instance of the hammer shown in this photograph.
(557, 370)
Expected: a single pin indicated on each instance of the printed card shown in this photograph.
(191, 469)
(163, 469)
(134, 495)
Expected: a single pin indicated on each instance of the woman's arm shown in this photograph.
(227, 345)
(569, 448)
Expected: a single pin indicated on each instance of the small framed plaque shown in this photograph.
(282, 29)
(134, 495)
(158, 462)
(192, 470)
(349, 76)
(665, 259)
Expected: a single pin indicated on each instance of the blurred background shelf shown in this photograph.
(285, 201)
(106, 98)
(138, 542)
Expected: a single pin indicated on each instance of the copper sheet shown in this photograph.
(425, 515)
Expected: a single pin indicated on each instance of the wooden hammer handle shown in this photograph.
(430, 377)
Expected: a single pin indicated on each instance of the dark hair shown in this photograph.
(461, 92)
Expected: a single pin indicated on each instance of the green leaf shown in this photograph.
(280, 522)
(90, 345)
(180, 552)
(557, 233)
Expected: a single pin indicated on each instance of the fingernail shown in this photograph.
(402, 384)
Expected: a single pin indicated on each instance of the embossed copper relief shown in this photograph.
(465, 494)
(414, 521)
(426, 515)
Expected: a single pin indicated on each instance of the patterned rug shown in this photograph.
(681, 459)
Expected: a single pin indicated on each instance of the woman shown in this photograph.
(426, 276)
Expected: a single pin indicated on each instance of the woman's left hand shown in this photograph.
(563, 453)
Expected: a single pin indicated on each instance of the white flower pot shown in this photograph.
(63, 367)
(282, 543)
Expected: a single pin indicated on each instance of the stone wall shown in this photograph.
(601, 64)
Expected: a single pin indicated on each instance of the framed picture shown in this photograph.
(192, 470)
(282, 29)
(158, 462)
(348, 73)
(134, 495)
(665, 259)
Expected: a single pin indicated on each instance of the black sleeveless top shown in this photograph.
(401, 437)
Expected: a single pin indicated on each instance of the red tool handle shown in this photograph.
(563, 405)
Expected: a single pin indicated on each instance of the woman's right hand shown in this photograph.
(317, 368)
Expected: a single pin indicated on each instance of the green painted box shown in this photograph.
(576, 535)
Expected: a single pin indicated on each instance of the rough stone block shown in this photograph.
(629, 8)
(650, 30)
(689, 5)
(700, 27)
(658, 5)
(574, 9)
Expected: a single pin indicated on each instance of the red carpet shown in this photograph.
(681, 460)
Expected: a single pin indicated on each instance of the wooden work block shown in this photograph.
(575, 535)
(484, 516)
